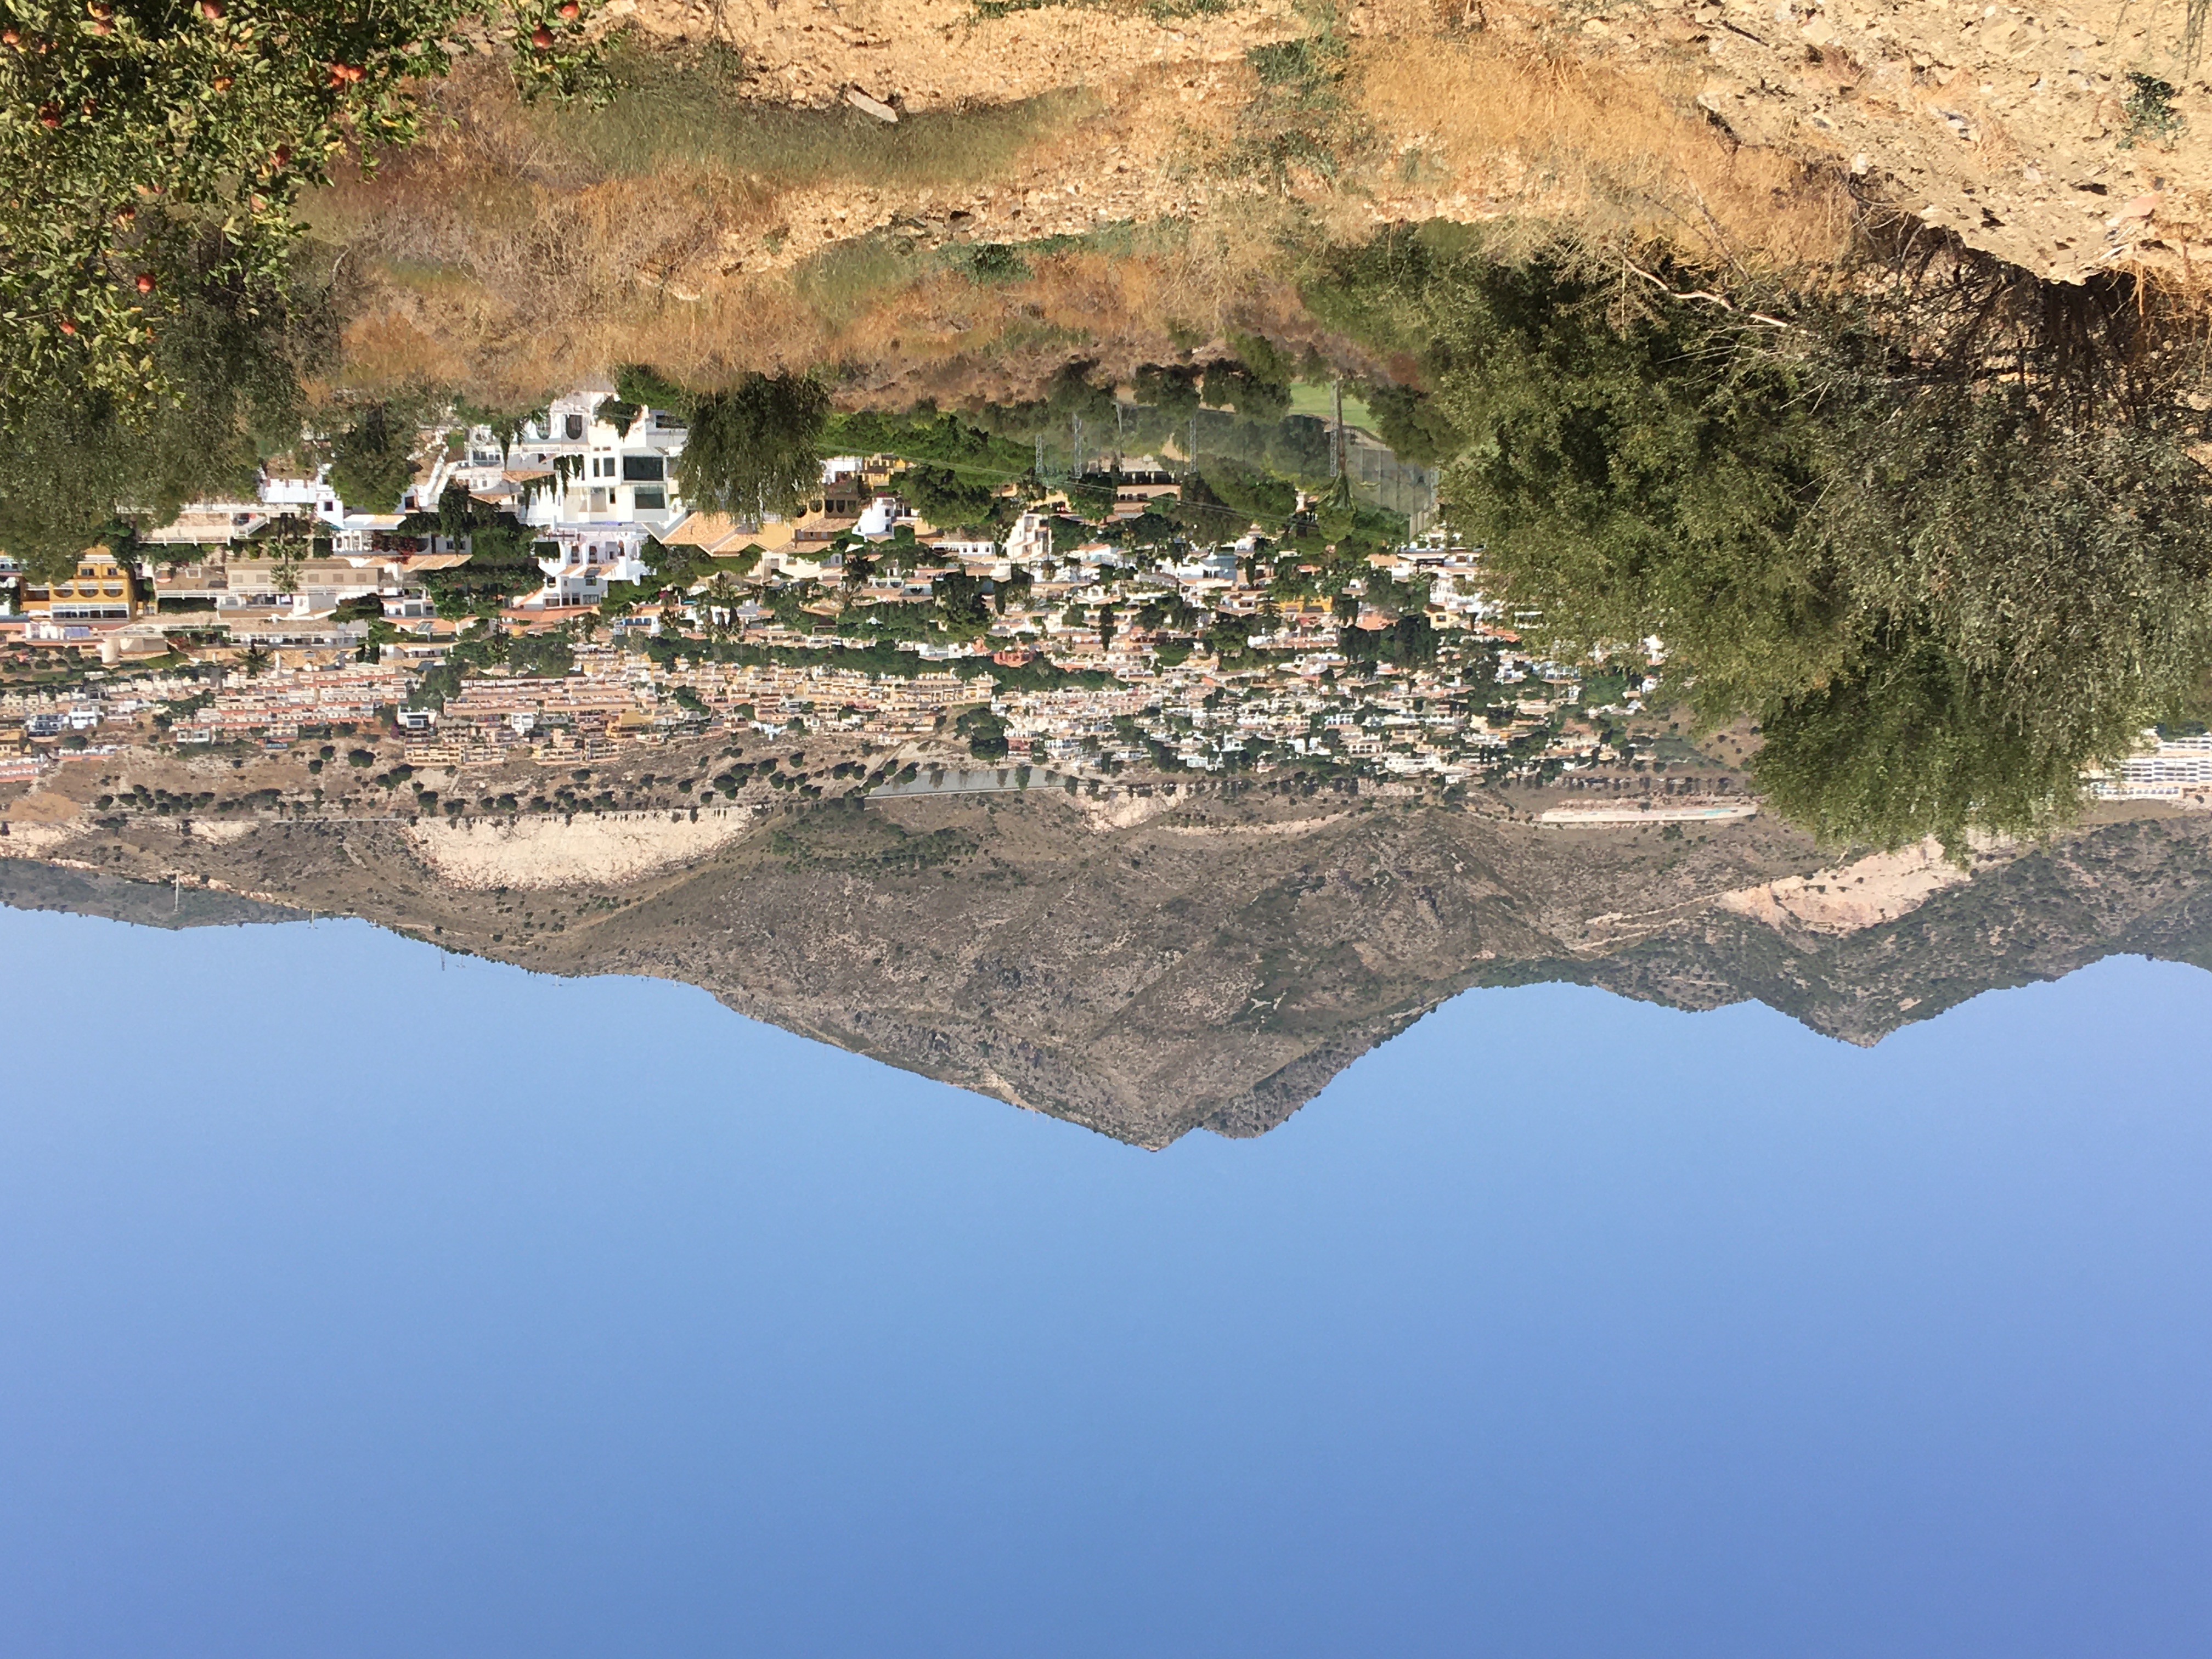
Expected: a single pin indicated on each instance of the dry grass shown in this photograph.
(697, 112)
(513, 255)
(1504, 127)
(513, 252)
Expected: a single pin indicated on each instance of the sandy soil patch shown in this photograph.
(1126, 812)
(36, 840)
(1861, 894)
(2022, 132)
(933, 54)
(586, 852)
(43, 805)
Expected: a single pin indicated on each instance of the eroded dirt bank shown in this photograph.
(739, 208)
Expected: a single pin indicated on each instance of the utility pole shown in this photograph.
(1076, 425)
(1040, 460)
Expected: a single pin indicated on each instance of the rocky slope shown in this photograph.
(805, 192)
(1214, 965)
(2018, 127)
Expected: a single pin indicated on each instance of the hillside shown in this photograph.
(1211, 966)
(1167, 167)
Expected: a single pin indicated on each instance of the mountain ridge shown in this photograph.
(1148, 981)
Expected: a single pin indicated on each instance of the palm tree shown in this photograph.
(721, 599)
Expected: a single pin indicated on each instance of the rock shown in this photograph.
(868, 105)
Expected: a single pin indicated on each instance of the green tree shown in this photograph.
(1639, 477)
(1231, 384)
(756, 447)
(372, 460)
(1910, 742)
(78, 462)
(1245, 491)
(947, 498)
(962, 600)
(1411, 421)
(1408, 642)
(503, 562)
(985, 731)
(1948, 544)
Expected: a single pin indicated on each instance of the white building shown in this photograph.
(584, 560)
(596, 490)
(603, 475)
(1030, 541)
(2160, 771)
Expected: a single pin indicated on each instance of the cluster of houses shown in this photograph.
(291, 566)
(304, 600)
(296, 612)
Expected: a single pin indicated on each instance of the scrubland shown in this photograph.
(968, 249)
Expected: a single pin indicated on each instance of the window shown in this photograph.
(575, 427)
(643, 468)
(652, 501)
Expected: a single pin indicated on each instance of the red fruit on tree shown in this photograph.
(542, 37)
(145, 281)
(49, 116)
(69, 327)
(212, 10)
(570, 11)
(221, 83)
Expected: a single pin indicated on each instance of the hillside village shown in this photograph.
(545, 598)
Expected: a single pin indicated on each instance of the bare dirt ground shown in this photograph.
(917, 55)
(1151, 168)
(1863, 894)
(2016, 127)
(599, 850)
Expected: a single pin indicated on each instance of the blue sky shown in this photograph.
(352, 1305)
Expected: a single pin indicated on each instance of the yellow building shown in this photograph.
(101, 590)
